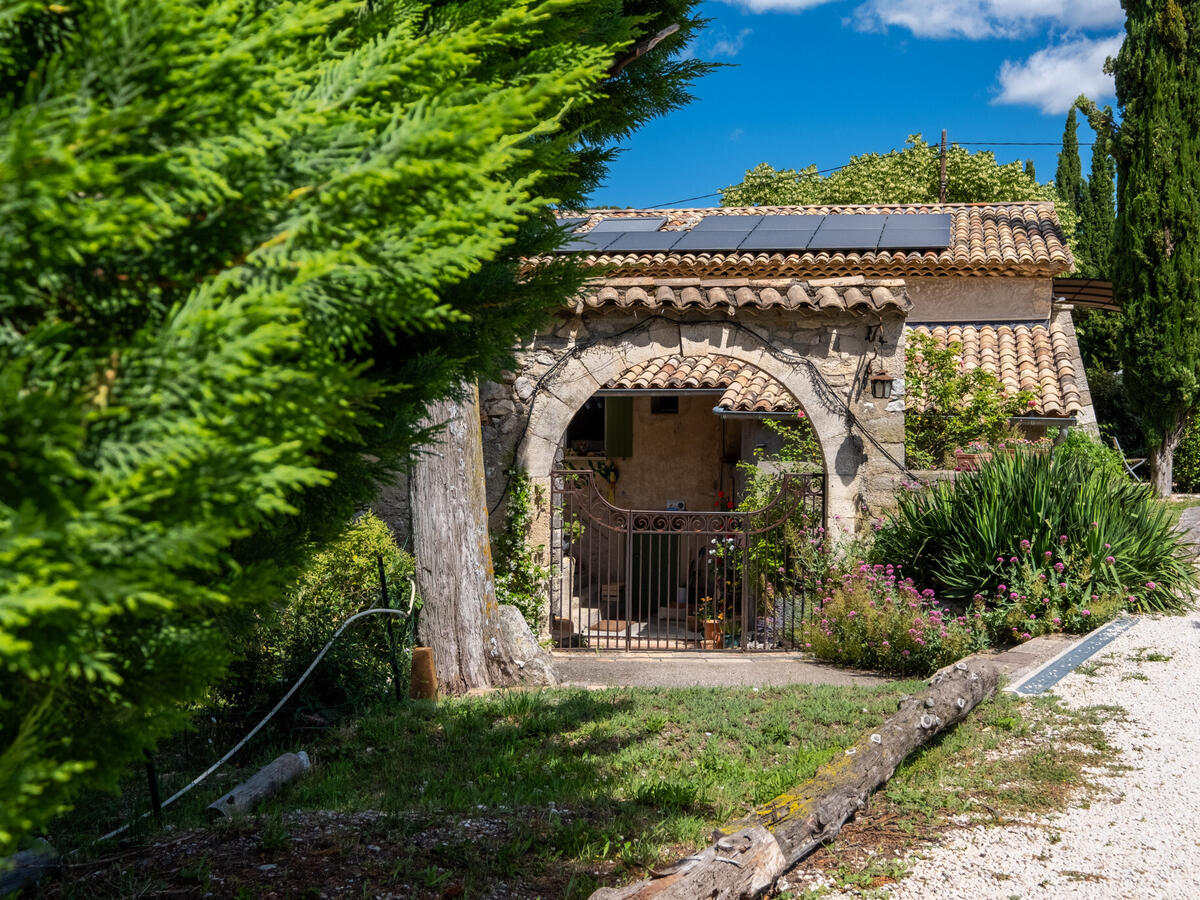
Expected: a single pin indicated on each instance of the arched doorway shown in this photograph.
(675, 523)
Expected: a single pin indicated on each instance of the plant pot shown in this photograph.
(969, 462)
(714, 637)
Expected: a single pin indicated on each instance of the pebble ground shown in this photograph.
(1138, 837)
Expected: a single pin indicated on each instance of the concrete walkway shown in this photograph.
(732, 668)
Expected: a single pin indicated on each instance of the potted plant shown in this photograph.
(713, 618)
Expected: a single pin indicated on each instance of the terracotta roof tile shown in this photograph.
(986, 238)
(744, 387)
(1034, 358)
(853, 293)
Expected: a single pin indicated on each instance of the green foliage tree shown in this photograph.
(948, 407)
(1030, 171)
(1156, 263)
(908, 175)
(244, 245)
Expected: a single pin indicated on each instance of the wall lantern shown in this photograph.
(881, 385)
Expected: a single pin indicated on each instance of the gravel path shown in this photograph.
(1138, 839)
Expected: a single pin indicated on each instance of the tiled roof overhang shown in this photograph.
(745, 388)
(985, 239)
(845, 294)
(1025, 357)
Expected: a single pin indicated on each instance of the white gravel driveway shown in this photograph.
(1138, 839)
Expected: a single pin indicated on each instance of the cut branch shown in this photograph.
(641, 49)
(798, 823)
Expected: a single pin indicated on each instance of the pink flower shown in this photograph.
(800, 414)
(905, 652)
(1002, 589)
(999, 559)
(1085, 612)
(1057, 621)
(853, 613)
(1062, 538)
(1012, 559)
(1058, 566)
(1110, 559)
(1108, 546)
(1150, 585)
(1025, 545)
(1026, 636)
(1047, 554)
(1032, 616)
(1062, 585)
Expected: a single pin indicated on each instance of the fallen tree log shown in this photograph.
(264, 783)
(799, 822)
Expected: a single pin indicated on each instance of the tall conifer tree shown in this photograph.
(1098, 215)
(1068, 177)
(1156, 263)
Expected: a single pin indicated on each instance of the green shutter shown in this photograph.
(618, 426)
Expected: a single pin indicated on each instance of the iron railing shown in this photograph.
(630, 579)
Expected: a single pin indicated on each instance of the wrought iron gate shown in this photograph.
(633, 579)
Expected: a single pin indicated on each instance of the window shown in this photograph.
(602, 425)
(664, 405)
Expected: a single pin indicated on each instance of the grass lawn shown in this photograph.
(554, 793)
(1177, 503)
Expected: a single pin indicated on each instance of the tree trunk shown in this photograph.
(1162, 458)
(801, 821)
(475, 643)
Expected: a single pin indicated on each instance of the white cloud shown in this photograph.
(1052, 78)
(725, 45)
(736, 134)
(976, 19)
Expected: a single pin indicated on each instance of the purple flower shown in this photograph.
(1058, 566)
(1012, 559)
(1085, 612)
(1150, 585)
(1047, 554)
(1002, 589)
(1062, 538)
(1032, 616)
(1057, 621)
(1110, 559)
(905, 652)
(999, 559)
(1025, 545)
(1062, 585)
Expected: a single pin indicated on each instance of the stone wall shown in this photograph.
(526, 413)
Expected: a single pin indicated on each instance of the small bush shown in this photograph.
(339, 579)
(958, 536)
(874, 619)
(1045, 592)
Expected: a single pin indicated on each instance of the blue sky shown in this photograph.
(815, 81)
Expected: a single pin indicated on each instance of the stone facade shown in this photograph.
(821, 357)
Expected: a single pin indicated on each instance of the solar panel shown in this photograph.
(790, 223)
(778, 239)
(588, 243)
(643, 241)
(728, 224)
(919, 231)
(630, 224)
(709, 239)
(570, 221)
(848, 232)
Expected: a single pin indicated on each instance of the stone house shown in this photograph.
(701, 323)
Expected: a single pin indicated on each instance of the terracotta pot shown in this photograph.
(714, 637)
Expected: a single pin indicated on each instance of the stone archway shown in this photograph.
(584, 372)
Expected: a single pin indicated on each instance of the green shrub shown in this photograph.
(339, 579)
(1102, 460)
(1186, 471)
(1042, 593)
(874, 619)
(959, 536)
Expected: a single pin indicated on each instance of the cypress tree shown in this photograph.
(1098, 216)
(243, 247)
(1156, 262)
(1068, 177)
(1029, 170)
